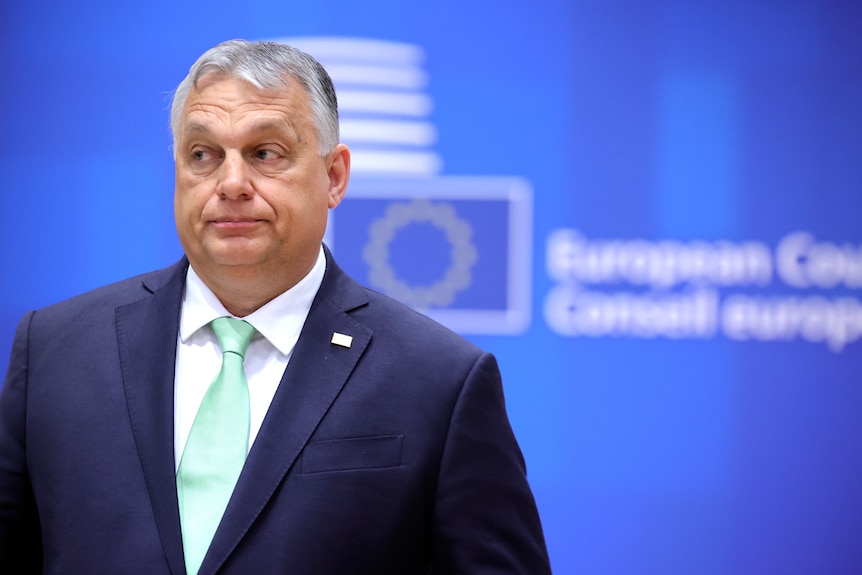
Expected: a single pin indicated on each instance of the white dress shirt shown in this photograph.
(278, 324)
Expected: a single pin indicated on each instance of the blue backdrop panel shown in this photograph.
(649, 211)
(456, 248)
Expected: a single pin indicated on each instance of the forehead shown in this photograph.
(226, 100)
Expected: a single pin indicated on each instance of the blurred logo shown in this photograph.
(457, 248)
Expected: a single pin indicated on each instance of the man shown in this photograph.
(377, 441)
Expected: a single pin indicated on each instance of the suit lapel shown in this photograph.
(317, 372)
(147, 335)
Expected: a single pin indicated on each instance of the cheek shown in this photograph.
(189, 197)
(294, 213)
(188, 210)
(181, 206)
(181, 214)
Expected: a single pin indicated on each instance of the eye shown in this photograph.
(201, 155)
(265, 154)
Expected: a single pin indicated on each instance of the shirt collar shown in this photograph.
(279, 321)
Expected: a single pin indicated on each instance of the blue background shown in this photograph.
(735, 120)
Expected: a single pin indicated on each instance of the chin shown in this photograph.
(237, 261)
(229, 258)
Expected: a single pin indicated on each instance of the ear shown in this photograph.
(339, 174)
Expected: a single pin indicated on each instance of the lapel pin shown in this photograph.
(341, 339)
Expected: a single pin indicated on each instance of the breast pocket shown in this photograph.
(352, 454)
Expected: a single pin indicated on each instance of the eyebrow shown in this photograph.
(196, 127)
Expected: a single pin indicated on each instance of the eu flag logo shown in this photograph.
(455, 248)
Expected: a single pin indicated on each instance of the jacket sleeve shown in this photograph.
(20, 536)
(485, 517)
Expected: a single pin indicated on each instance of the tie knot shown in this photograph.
(233, 334)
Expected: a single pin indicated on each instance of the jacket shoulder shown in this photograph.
(110, 296)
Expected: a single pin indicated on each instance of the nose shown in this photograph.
(234, 180)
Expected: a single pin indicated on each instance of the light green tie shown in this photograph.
(217, 445)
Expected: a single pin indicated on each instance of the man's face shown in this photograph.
(252, 191)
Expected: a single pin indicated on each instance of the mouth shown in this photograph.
(235, 223)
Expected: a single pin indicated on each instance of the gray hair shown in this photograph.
(267, 66)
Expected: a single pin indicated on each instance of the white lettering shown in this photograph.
(684, 278)
(571, 258)
(835, 322)
(803, 262)
(572, 312)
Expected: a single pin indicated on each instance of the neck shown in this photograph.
(244, 291)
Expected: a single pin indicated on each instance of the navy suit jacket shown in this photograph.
(391, 456)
